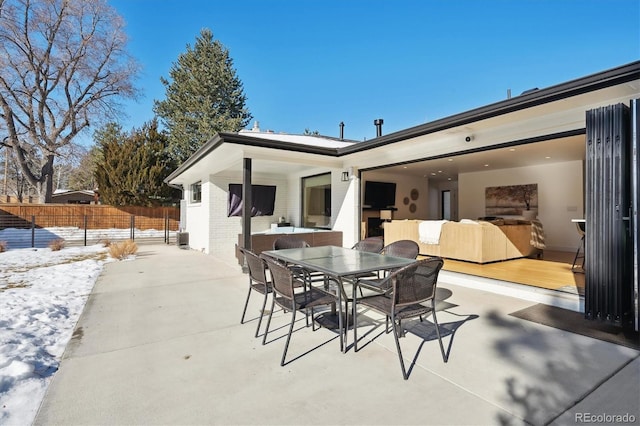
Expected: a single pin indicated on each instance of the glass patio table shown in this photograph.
(339, 263)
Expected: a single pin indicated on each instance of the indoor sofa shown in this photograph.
(479, 242)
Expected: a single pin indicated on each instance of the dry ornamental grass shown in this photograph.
(123, 249)
(56, 245)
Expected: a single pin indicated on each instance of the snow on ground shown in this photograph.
(42, 294)
(23, 238)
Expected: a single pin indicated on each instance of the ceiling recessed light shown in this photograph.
(450, 159)
(547, 157)
(404, 167)
(439, 171)
(433, 174)
(449, 179)
(486, 165)
(512, 149)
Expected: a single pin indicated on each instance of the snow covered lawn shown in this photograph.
(42, 294)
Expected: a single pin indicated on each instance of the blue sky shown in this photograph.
(310, 64)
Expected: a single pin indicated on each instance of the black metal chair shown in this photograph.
(257, 281)
(409, 288)
(289, 300)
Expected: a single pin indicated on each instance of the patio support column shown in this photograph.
(247, 202)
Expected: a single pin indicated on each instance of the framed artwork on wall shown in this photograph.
(510, 200)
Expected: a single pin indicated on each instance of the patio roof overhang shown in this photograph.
(566, 102)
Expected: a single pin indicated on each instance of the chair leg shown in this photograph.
(445, 357)
(264, 304)
(355, 327)
(286, 345)
(395, 336)
(246, 303)
(266, 330)
(577, 256)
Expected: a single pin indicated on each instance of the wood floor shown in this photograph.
(553, 271)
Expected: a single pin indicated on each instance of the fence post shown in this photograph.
(166, 227)
(133, 224)
(85, 230)
(33, 231)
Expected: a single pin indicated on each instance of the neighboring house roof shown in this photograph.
(58, 192)
(333, 147)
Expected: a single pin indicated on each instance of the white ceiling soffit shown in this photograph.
(268, 161)
(570, 148)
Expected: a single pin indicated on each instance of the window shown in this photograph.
(316, 200)
(196, 192)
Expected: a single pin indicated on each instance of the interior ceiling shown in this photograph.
(533, 154)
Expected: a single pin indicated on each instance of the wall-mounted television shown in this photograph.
(263, 199)
(379, 195)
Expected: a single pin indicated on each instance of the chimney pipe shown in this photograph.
(341, 130)
(378, 123)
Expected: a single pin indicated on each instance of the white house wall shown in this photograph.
(560, 197)
(197, 217)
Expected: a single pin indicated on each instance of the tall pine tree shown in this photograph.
(204, 96)
(132, 167)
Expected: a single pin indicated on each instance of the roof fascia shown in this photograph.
(609, 78)
(225, 137)
(276, 144)
(569, 89)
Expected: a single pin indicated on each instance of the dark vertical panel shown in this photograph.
(248, 202)
(608, 292)
(635, 204)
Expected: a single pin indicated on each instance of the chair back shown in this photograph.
(288, 242)
(402, 248)
(257, 266)
(416, 283)
(282, 278)
(371, 244)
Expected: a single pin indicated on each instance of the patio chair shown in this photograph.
(371, 244)
(410, 287)
(285, 297)
(257, 281)
(287, 242)
(402, 248)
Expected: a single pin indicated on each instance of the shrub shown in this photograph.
(56, 245)
(123, 249)
(3, 246)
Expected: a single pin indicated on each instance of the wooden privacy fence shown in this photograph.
(36, 225)
(98, 216)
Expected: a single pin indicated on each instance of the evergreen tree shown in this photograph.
(132, 167)
(204, 96)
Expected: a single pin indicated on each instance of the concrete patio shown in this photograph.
(160, 342)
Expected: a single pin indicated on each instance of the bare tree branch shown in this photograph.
(63, 66)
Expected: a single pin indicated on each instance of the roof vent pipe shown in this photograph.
(341, 130)
(378, 123)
